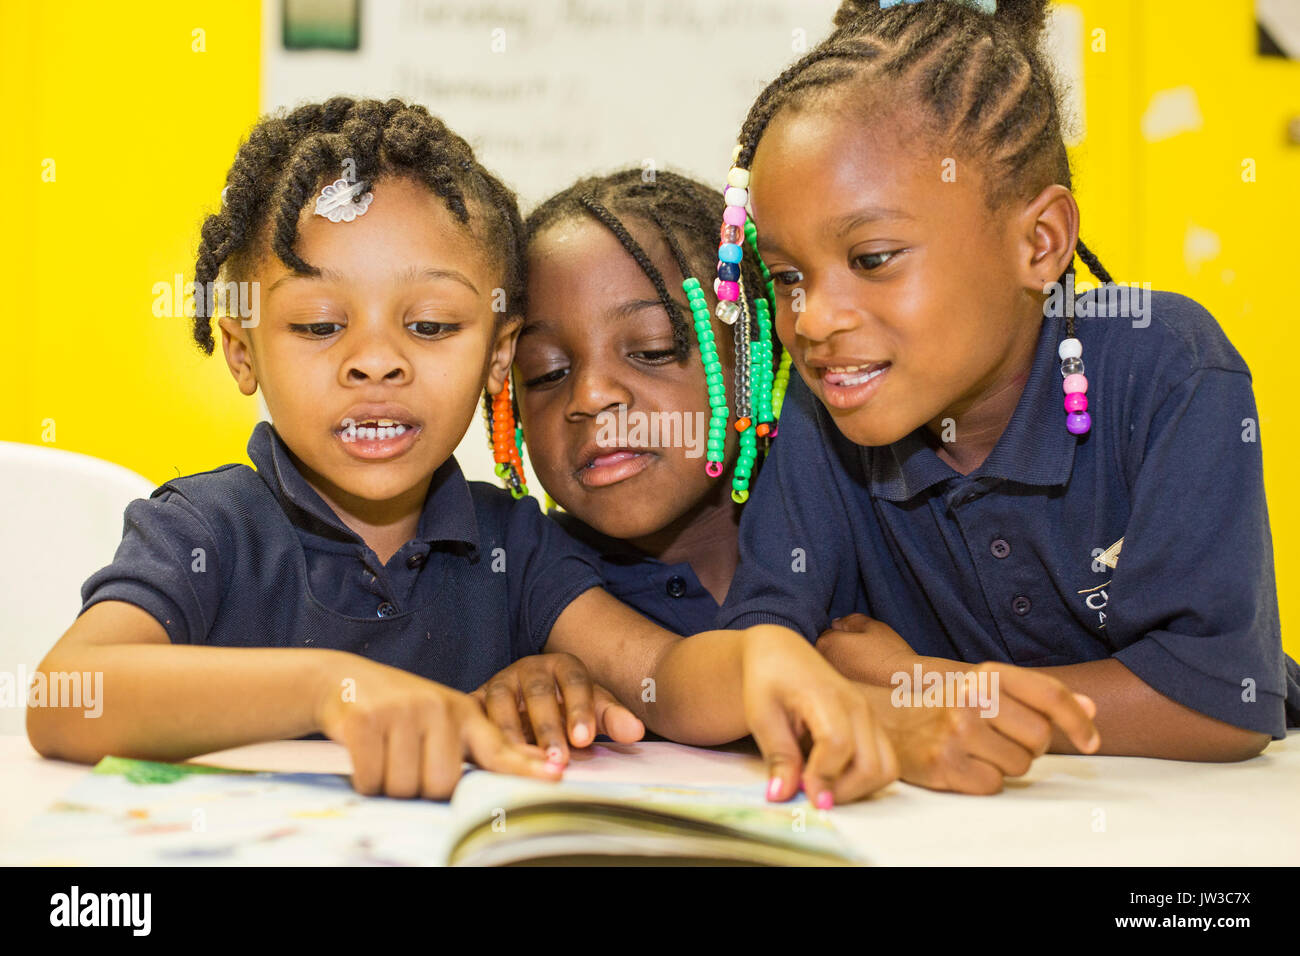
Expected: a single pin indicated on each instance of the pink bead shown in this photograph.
(729, 291)
(734, 215)
(713, 469)
(731, 233)
(1078, 422)
(1076, 402)
(1074, 383)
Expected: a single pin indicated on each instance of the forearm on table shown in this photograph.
(167, 702)
(699, 690)
(873, 656)
(1135, 720)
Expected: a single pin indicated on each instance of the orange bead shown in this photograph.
(763, 430)
(742, 424)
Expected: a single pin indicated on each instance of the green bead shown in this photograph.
(691, 283)
(713, 378)
(714, 444)
(740, 484)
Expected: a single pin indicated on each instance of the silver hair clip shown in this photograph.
(342, 201)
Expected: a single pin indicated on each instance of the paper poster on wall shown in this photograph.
(321, 24)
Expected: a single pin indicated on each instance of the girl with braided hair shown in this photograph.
(355, 583)
(610, 339)
(961, 492)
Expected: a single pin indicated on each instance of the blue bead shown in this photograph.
(729, 252)
(728, 271)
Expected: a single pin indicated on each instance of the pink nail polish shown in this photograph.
(824, 800)
(553, 755)
(774, 788)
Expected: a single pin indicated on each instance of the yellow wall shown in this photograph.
(142, 129)
(1141, 200)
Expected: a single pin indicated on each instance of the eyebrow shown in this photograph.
(845, 224)
(626, 310)
(412, 274)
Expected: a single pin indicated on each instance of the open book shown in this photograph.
(130, 812)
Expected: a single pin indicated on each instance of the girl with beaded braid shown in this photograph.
(619, 331)
(355, 583)
(960, 491)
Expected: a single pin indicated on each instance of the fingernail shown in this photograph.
(581, 734)
(774, 788)
(824, 800)
(1094, 741)
(554, 755)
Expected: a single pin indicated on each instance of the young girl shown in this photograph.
(355, 584)
(612, 263)
(944, 465)
(614, 389)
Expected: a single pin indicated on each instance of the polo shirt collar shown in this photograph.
(1035, 448)
(448, 513)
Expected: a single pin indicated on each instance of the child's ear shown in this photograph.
(237, 346)
(1048, 229)
(503, 352)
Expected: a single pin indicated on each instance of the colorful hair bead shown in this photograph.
(1074, 384)
(506, 440)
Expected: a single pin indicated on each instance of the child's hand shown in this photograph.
(408, 736)
(556, 693)
(792, 694)
(965, 749)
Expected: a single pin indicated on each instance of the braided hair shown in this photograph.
(981, 81)
(288, 156)
(682, 211)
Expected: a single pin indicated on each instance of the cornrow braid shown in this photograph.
(625, 238)
(287, 157)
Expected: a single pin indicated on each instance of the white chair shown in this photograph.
(60, 521)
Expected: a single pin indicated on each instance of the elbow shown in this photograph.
(1241, 745)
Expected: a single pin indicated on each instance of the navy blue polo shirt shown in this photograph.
(1013, 561)
(669, 594)
(240, 558)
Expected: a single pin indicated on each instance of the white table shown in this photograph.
(1075, 811)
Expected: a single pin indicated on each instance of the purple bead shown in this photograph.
(734, 215)
(1077, 423)
(1076, 402)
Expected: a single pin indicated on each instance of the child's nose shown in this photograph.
(594, 390)
(376, 361)
(824, 315)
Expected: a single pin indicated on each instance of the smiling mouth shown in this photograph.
(848, 376)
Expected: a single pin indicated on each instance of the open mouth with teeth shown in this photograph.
(847, 376)
(374, 429)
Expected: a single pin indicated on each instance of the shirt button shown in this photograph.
(1000, 548)
(415, 561)
(386, 609)
(676, 586)
(1020, 604)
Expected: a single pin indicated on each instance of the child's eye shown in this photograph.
(547, 378)
(787, 277)
(426, 329)
(874, 260)
(317, 330)
(656, 356)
